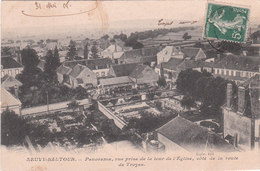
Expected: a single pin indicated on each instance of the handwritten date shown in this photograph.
(50, 5)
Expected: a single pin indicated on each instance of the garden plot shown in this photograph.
(135, 110)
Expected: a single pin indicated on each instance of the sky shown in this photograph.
(106, 14)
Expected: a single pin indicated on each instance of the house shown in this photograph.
(9, 83)
(100, 66)
(10, 67)
(180, 53)
(108, 52)
(122, 69)
(169, 69)
(142, 55)
(193, 53)
(242, 118)
(9, 101)
(108, 84)
(169, 52)
(76, 75)
(234, 68)
(180, 134)
(143, 74)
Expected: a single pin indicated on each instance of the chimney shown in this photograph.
(229, 95)
(241, 99)
(255, 100)
(16, 91)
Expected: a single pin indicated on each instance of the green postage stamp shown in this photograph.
(226, 22)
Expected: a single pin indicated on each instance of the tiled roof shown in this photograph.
(138, 53)
(237, 63)
(187, 64)
(117, 55)
(124, 69)
(63, 69)
(170, 51)
(10, 79)
(71, 64)
(76, 70)
(137, 72)
(190, 52)
(100, 63)
(149, 59)
(9, 62)
(172, 64)
(115, 81)
(192, 137)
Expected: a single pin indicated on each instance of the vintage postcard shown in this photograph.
(130, 85)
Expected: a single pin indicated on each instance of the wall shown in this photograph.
(148, 76)
(52, 107)
(238, 124)
(99, 71)
(118, 122)
(88, 77)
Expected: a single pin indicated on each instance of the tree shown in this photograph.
(14, 129)
(86, 51)
(134, 44)
(29, 59)
(187, 102)
(50, 66)
(73, 105)
(122, 37)
(161, 82)
(186, 36)
(105, 37)
(94, 50)
(56, 58)
(72, 53)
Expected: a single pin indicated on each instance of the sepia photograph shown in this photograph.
(130, 85)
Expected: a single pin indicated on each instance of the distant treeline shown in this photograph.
(133, 39)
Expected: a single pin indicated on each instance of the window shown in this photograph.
(9, 72)
(3, 73)
(97, 73)
(227, 72)
(232, 73)
(103, 74)
(17, 71)
(222, 72)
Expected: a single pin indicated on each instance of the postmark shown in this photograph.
(226, 22)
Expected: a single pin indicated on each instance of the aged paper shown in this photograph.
(130, 85)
